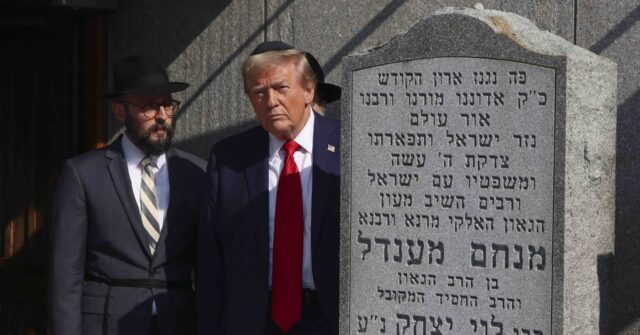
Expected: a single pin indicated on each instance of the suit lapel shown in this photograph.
(257, 181)
(117, 166)
(175, 185)
(325, 157)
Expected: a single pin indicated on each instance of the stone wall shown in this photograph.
(612, 29)
(204, 42)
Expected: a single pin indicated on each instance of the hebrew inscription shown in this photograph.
(452, 198)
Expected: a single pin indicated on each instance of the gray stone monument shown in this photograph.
(478, 181)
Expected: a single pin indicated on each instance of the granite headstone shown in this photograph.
(478, 180)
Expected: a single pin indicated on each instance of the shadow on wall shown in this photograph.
(625, 307)
(616, 31)
(247, 43)
(194, 17)
(163, 29)
(177, 23)
(200, 145)
(605, 268)
(375, 23)
(627, 230)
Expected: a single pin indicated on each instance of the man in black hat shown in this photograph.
(125, 220)
(325, 92)
(268, 248)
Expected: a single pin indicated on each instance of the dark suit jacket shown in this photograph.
(97, 231)
(233, 241)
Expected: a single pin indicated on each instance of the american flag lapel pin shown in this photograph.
(331, 148)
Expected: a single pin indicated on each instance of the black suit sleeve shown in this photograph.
(209, 274)
(69, 235)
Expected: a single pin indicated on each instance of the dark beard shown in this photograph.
(143, 139)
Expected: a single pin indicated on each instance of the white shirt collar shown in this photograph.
(134, 155)
(304, 139)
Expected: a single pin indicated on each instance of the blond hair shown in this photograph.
(258, 63)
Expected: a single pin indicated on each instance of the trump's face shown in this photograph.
(280, 100)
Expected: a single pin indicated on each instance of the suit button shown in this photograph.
(153, 273)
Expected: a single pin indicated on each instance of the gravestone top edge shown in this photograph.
(514, 27)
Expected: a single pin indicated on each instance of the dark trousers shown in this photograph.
(312, 322)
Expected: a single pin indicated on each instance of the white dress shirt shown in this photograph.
(134, 156)
(304, 160)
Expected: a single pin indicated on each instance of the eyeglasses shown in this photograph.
(151, 109)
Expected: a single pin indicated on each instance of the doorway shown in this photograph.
(52, 66)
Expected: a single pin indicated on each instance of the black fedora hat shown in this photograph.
(137, 75)
(327, 92)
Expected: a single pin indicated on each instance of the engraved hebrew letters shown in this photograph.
(451, 197)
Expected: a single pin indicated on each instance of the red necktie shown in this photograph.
(286, 287)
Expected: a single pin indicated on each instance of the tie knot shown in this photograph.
(290, 147)
(147, 163)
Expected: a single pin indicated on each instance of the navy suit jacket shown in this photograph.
(97, 231)
(233, 241)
